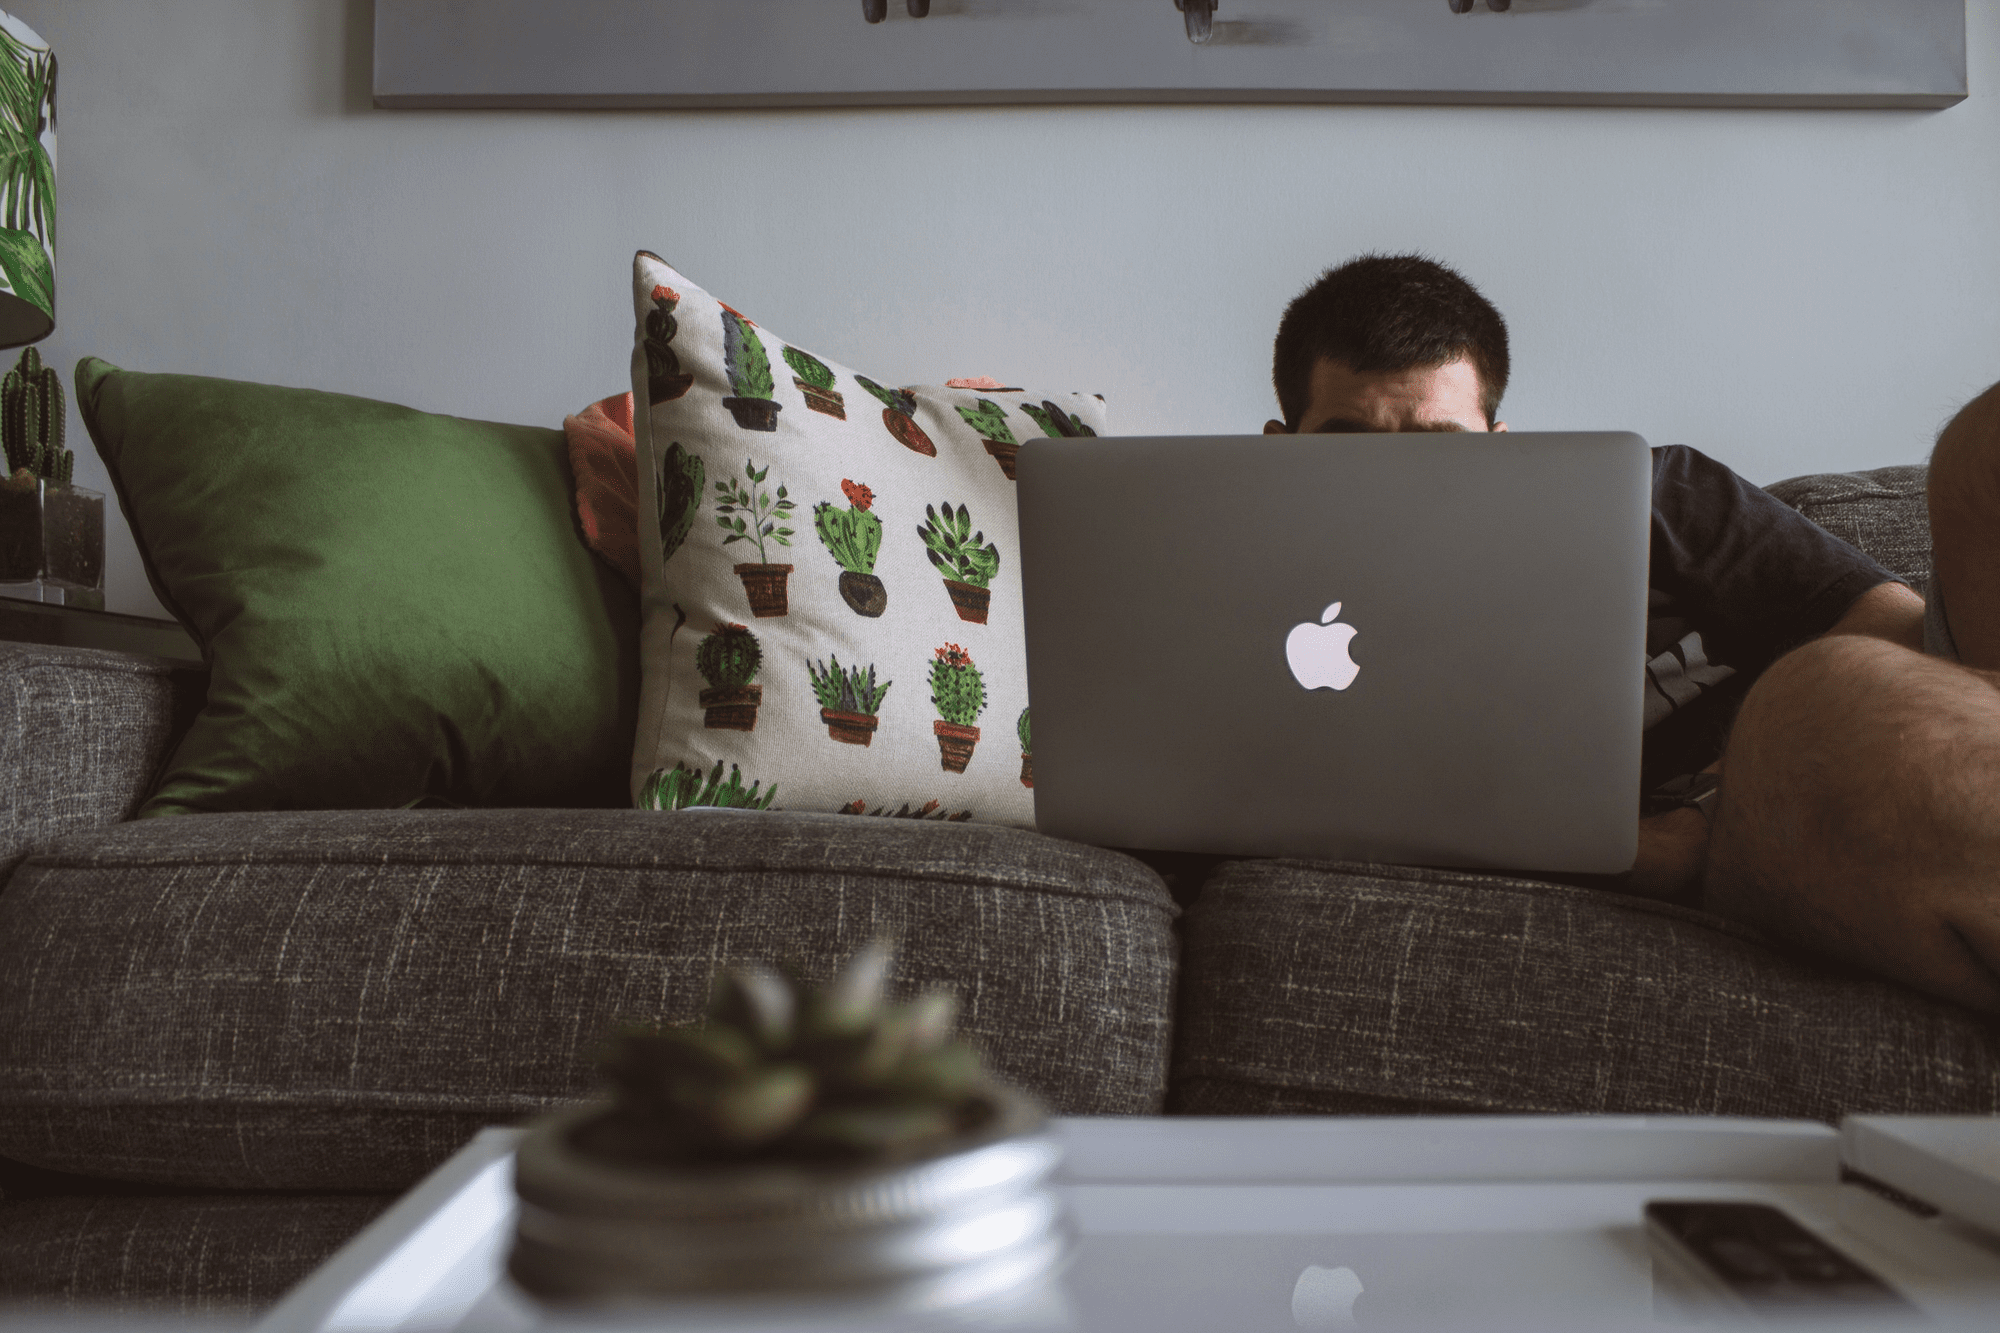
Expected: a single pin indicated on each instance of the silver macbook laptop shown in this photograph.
(1420, 649)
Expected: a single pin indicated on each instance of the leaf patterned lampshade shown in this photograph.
(27, 185)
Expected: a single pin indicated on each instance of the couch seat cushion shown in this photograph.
(1322, 988)
(340, 999)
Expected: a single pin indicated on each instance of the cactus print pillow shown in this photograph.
(830, 572)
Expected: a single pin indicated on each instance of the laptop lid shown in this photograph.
(1419, 648)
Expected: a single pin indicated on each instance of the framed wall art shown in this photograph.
(777, 53)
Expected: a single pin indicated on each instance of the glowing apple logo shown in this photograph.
(1324, 1298)
(1318, 654)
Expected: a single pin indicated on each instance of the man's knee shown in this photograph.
(1860, 814)
(1965, 466)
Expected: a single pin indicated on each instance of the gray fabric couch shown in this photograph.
(228, 1041)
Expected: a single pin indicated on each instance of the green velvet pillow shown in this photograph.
(396, 607)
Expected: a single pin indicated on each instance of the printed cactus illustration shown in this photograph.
(750, 513)
(682, 478)
(850, 701)
(958, 692)
(665, 381)
(853, 536)
(680, 787)
(815, 380)
(1055, 422)
(899, 416)
(33, 420)
(729, 660)
(967, 565)
(777, 1073)
(990, 420)
(1027, 751)
(749, 372)
(929, 810)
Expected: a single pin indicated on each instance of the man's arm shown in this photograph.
(1673, 848)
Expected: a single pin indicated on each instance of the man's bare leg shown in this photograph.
(1860, 808)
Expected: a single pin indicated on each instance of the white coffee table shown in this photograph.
(1230, 1225)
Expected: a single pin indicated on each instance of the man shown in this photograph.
(1400, 343)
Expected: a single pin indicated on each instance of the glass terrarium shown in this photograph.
(51, 542)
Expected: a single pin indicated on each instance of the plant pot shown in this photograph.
(970, 602)
(908, 433)
(754, 413)
(764, 585)
(731, 707)
(828, 401)
(1027, 769)
(955, 744)
(863, 592)
(966, 1224)
(1003, 454)
(666, 388)
(52, 539)
(849, 728)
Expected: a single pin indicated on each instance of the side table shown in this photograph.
(23, 621)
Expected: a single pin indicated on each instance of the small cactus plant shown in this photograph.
(680, 787)
(957, 688)
(781, 1073)
(681, 481)
(1055, 422)
(33, 420)
(932, 811)
(744, 358)
(665, 380)
(809, 368)
(853, 536)
(898, 400)
(1021, 728)
(849, 690)
(990, 420)
(729, 658)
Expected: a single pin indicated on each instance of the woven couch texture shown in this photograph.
(314, 1001)
(1882, 511)
(212, 1254)
(1321, 988)
(82, 736)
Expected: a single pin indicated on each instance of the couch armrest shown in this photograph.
(83, 734)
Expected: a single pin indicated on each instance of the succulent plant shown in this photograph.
(847, 691)
(734, 500)
(1021, 727)
(681, 481)
(902, 400)
(990, 420)
(809, 368)
(853, 535)
(1054, 421)
(782, 1073)
(743, 357)
(33, 420)
(679, 787)
(728, 659)
(954, 548)
(957, 688)
(929, 810)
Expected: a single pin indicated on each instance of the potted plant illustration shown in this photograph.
(665, 381)
(728, 660)
(680, 787)
(968, 566)
(51, 532)
(929, 810)
(1027, 751)
(854, 537)
(815, 381)
(682, 478)
(990, 420)
(899, 416)
(1055, 422)
(749, 374)
(749, 513)
(797, 1141)
(849, 700)
(959, 692)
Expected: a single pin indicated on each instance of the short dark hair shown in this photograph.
(1388, 313)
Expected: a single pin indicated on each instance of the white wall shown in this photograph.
(1790, 291)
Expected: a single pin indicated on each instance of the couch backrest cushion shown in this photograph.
(396, 607)
(1881, 511)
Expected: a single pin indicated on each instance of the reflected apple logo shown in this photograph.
(1317, 654)
(1324, 1298)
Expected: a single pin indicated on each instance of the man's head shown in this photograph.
(1389, 343)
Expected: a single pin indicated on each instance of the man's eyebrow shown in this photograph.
(1351, 426)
